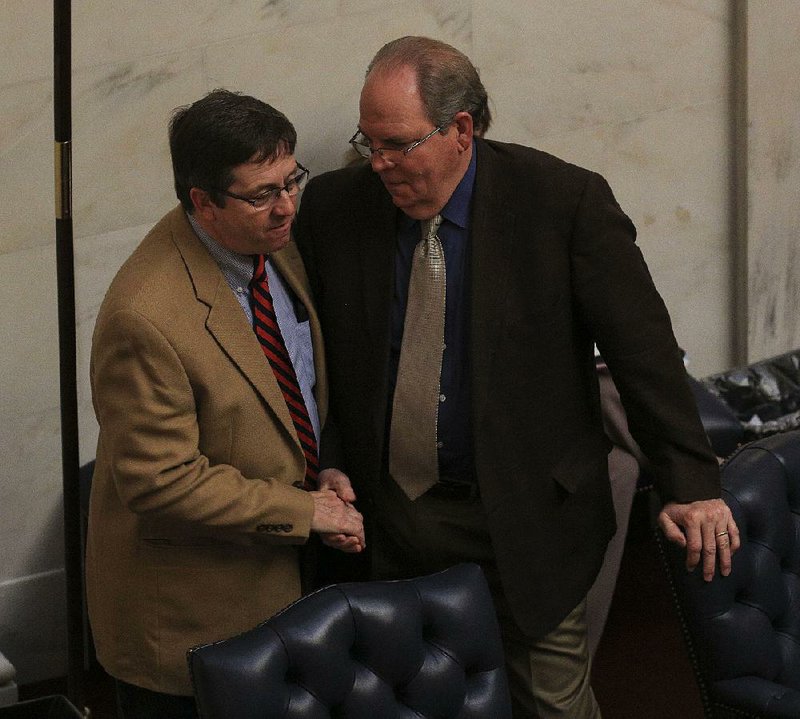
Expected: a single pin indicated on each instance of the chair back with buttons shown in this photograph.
(744, 630)
(424, 647)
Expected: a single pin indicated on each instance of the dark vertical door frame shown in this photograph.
(65, 278)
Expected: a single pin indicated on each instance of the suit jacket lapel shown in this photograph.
(492, 238)
(376, 233)
(226, 320)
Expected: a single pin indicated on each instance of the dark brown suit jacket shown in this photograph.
(553, 268)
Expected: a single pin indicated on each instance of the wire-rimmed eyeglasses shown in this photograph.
(269, 197)
(362, 146)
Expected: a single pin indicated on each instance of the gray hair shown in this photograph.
(447, 80)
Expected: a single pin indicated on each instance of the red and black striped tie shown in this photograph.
(269, 335)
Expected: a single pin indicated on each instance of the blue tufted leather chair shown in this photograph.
(749, 402)
(425, 647)
(724, 429)
(743, 630)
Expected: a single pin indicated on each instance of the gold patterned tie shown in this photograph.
(413, 454)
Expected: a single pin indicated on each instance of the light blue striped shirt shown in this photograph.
(238, 271)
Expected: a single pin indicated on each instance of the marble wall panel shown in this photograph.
(132, 64)
(26, 36)
(319, 91)
(453, 18)
(28, 333)
(122, 174)
(110, 31)
(32, 625)
(27, 211)
(773, 178)
(357, 7)
(30, 493)
(32, 516)
(668, 171)
(554, 67)
(645, 108)
(32, 607)
(121, 171)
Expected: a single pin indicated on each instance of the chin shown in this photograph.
(277, 242)
(415, 210)
(276, 245)
(405, 203)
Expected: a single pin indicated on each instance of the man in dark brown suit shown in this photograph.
(540, 263)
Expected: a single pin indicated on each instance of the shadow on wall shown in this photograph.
(33, 613)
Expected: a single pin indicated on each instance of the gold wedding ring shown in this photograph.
(722, 533)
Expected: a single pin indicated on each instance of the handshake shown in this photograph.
(338, 522)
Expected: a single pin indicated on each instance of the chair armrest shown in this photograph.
(762, 697)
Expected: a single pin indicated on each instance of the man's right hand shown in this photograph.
(340, 523)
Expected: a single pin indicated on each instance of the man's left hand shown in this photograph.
(706, 528)
(339, 482)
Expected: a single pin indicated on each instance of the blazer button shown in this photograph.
(265, 528)
(287, 528)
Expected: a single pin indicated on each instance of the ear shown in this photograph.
(464, 129)
(203, 206)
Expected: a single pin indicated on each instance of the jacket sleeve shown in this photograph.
(148, 412)
(619, 302)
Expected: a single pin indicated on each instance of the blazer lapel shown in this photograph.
(227, 322)
(492, 238)
(375, 248)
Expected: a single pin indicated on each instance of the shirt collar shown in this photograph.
(457, 208)
(238, 269)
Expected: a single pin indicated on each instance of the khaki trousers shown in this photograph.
(548, 677)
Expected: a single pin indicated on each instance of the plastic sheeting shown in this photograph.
(765, 396)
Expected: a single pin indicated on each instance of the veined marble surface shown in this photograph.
(773, 178)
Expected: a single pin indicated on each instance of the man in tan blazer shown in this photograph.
(198, 508)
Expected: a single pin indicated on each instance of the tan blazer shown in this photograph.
(194, 522)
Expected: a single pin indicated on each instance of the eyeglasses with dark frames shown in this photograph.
(361, 144)
(269, 197)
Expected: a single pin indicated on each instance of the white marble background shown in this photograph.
(636, 89)
(773, 171)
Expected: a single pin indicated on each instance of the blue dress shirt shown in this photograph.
(294, 325)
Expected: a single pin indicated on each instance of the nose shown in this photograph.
(379, 162)
(285, 203)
